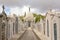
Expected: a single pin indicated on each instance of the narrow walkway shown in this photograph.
(16, 36)
(29, 35)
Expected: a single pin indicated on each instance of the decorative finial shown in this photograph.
(3, 7)
(29, 9)
(25, 14)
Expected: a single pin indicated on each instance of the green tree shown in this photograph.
(38, 17)
(22, 18)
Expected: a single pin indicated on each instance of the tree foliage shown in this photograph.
(22, 18)
(38, 17)
(34, 14)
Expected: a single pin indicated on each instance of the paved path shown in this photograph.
(29, 35)
(16, 36)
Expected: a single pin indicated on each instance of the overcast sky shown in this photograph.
(18, 6)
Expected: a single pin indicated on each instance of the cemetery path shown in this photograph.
(28, 35)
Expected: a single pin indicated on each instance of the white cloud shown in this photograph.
(25, 8)
(43, 5)
(18, 10)
(21, 11)
(15, 10)
(0, 9)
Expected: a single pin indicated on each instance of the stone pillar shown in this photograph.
(0, 27)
